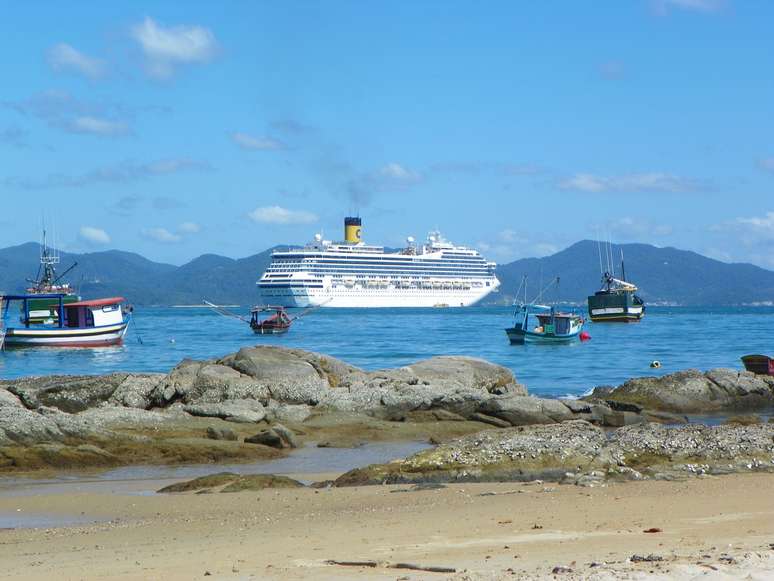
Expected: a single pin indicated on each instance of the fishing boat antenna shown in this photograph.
(599, 252)
(623, 270)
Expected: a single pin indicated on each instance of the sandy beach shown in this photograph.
(709, 527)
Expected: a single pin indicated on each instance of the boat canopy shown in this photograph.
(98, 302)
(30, 297)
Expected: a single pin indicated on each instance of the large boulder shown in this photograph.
(468, 372)
(692, 391)
(135, 391)
(525, 410)
(246, 411)
(69, 393)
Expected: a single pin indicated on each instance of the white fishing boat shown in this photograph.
(94, 323)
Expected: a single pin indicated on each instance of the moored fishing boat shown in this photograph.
(94, 323)
(759, 364)
(617, 301)
(544, 324)
(275, 324)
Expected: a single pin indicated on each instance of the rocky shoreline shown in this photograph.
(262, 401)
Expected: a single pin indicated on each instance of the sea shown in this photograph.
(676, 337)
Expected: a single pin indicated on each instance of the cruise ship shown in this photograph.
(355, 274)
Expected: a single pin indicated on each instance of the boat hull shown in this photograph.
(359, 297)
(615, 308)
(260, 330)
(759, 364)
(67, 337)
(517, 336)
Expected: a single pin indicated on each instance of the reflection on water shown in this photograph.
(679, 338)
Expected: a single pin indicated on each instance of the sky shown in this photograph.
(173, 129)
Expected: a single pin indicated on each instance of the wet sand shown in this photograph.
(707, 527)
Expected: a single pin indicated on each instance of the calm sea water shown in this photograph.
(679, 338)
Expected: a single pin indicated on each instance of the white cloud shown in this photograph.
(124, 172)
(64, 58)
(246, 141)
(511, 237)
(279, 215)
(167, 47)
(93, 235)
(161, 235)
(763, 224)
(628, 229)
(644, 182)
(396, 172)
(189, 228)
(97, 126)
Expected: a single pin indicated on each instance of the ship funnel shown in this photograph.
(352, 230)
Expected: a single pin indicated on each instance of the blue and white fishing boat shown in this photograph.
(94, 323)
(544, 324)
(537, 323)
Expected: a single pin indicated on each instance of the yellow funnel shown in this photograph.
(352, 230)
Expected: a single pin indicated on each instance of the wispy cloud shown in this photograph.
(397, 174)
(13, 136)
(167, 203)
(61, 110)
(161, 235)
(166, 48)
(766, 164)
(280, 215)
(189, 228)
(507, 169)
(125, 172)
(391, 177)
(663, 7)
(165, 236)
(97, 126)
(92, 235)
(612, 70)
(641, 182)
(64, 58)
(762, 224)
(251, 142)
(291, 127)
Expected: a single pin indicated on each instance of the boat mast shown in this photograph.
(623, 270)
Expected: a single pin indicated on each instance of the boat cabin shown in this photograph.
(78, 314)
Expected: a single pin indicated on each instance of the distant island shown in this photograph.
(666, 276)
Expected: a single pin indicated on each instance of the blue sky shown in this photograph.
(175, 129)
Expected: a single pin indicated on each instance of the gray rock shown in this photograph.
(286, 434)
(267, 438)
(615, 419)
(69, 393)
(9, 399)
(292, 414)
(525, 410)
(491, 420)
(135, 391)
(227, 434)
(289, 377)
(694, 392)
(238, 410)
(559, 452)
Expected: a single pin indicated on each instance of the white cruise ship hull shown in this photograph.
(368, 298)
